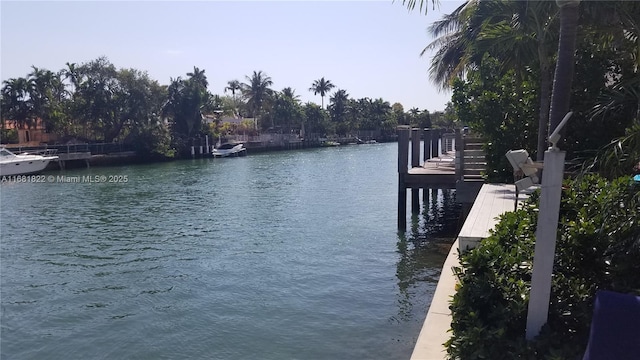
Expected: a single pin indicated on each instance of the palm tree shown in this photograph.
(256, 91)
(411, 4)
(233, 86)
(413, 115)
(517, 41)
(16, 89)
(14, 100)
(198, 77)
(58, 86)
(72, 74)
(455, 35)
(516, 32)
(340, 96)
(563, 77)
(290, 93)
(338, 107)
(620, 156)
(41, 91)
(321, 87)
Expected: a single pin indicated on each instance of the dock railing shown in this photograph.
(459, 159)
(448, 141)
(450, 160)
(434, 145)
(93, 148)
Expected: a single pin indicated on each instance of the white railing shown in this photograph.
(265, 138)
(448, 143)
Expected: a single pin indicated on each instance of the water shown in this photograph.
(287, 255)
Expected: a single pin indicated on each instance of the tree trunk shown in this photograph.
(569, 11)
(545, 99)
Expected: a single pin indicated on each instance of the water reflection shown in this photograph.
(423, 250)
(187, 261)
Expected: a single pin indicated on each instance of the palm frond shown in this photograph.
(621, 157)
(411, 4)
(621, 96)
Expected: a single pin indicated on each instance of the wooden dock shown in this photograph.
(449, 161)
(80, 154)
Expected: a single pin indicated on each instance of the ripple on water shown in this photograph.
(271, 256)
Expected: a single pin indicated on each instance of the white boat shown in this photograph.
(12, 164)
(330, 143)
(229, 149)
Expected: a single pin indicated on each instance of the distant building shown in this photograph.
(226, 119)
(33, 135)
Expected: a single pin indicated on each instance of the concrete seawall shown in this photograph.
(492, 201)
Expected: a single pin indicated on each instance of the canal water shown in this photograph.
(285, 255)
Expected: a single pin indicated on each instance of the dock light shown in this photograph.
(522, 164)
(554, 138)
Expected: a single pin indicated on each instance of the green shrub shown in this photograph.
(598, 247)
(9, 136)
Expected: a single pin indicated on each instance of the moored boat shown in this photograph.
(330, 143)
(229, 149)
(22, 164)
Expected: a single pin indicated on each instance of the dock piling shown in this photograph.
(415, 162)
(427, 144)
(459, 160)
(435, 140)
(403, 162)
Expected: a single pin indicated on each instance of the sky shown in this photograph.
(368, 48)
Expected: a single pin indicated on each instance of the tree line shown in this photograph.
(499, 58)
(96, 102)
(517, 67)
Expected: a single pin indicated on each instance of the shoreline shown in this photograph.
(124, 158)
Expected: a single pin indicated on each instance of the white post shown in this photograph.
(545, 241)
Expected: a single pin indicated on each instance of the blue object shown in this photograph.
(637, 178)
(615, 327)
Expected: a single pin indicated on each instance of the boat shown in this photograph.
(22, 164)
(330, 143)
(229, 149)
(360, 141)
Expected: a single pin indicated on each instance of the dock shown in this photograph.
(439, 160)
(80, 154)
(492, 201)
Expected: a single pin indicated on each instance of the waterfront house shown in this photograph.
(30, 134)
